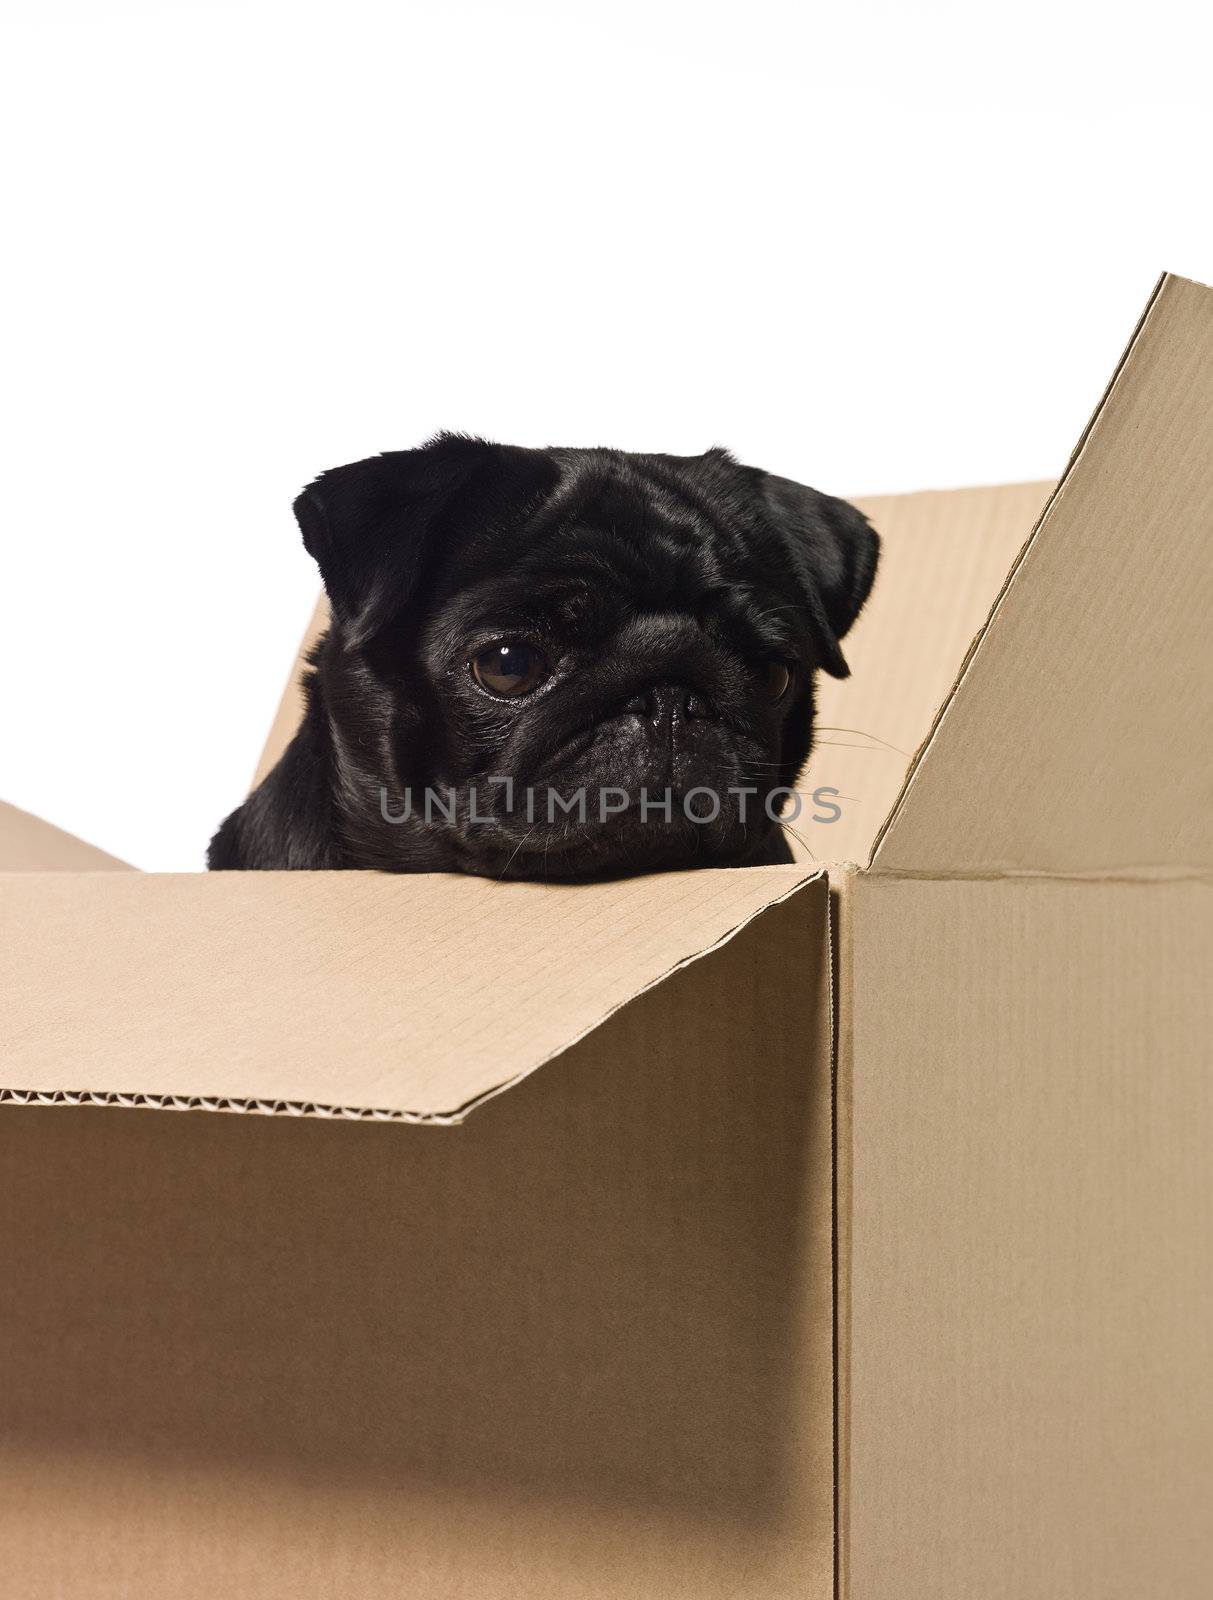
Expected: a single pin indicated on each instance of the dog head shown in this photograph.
(566, 663)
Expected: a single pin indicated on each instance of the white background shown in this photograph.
(871, 245)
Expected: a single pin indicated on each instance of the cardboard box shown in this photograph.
(766, 1234)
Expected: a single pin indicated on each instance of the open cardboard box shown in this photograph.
(836, 1232)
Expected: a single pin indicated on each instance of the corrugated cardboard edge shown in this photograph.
(921, 753)
(293, 1108)
(842, 884)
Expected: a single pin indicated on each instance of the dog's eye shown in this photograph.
(774, 679)
(508, 669)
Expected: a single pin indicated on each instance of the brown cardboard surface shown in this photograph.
(1031, 1411)
(944, 557)
(27, 844)
(1080, 736)
(349, 993)
(578, 1346)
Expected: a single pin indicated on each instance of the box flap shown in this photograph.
(1078, 737)
(27, 844)
(944, 556)
(360, 994)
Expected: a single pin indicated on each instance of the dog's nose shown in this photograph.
(665, 704)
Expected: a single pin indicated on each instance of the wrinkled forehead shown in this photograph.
(586, 583)
(614, 516)
(582, 571)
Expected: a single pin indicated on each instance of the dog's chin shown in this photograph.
(624, 846)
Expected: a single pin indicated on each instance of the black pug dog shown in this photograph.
(556, 664)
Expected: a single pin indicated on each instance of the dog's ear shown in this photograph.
(834, 551)
(372, 527)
